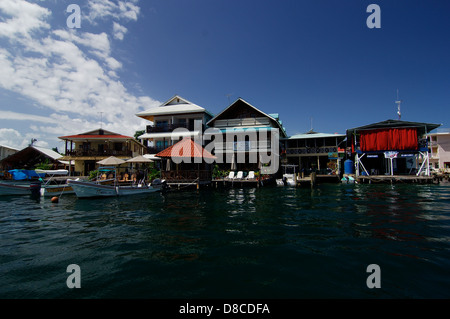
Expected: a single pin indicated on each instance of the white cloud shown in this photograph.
(15, 139)
(23, 18)
(9, 115)
(70, 73)
(102, 9)
(119, 31)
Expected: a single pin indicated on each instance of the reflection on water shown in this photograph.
(274, 242)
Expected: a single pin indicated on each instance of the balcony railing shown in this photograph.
(80, 153)
(168, 128)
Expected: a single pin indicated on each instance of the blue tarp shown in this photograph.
(22, 174)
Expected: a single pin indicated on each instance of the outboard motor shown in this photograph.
(35, 188)
(158, 183)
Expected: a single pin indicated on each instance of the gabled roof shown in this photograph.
(47, 152)
(177, 150)
(9, 147)
(96, 134)
(175, 105)
(30, 156)
(422, 128)
(240, 100)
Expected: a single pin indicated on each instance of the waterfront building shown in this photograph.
(5, 151)
(176, 113)
(248, 134)
(439, 142)
(86, 149)
(391, 147)
(315, 152)
(31, 156)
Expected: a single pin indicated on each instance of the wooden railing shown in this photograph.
(186, 176)
(97, 153)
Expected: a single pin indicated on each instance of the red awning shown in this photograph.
(186, 148)
(394, 139)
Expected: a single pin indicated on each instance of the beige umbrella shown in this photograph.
(112, 160)
(139, 159)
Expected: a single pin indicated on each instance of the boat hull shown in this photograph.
(14, 189)
(90, 190)
(56, 190)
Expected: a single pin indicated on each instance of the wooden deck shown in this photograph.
(313, 180)
(242, 182)
(395, 179)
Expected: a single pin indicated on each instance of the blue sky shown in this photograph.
(301, 59)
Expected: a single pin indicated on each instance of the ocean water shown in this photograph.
(268, 242)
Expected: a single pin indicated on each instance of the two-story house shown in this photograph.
(86, 149)
(250, 138)
(176, 113)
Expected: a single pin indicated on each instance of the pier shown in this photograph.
(313, 179)
(396, 179)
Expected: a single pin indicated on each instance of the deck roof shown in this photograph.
(422, 128)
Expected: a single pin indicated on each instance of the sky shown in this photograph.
(314, 62)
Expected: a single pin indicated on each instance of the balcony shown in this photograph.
(168, 128)
(95, 153)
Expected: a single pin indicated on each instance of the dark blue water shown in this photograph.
(231, 243)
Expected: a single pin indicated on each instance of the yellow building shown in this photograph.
(86, 149)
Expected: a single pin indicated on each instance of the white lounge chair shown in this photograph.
(231, 175)
(240, 175)
(251, 175)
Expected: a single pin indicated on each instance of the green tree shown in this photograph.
(138, 133)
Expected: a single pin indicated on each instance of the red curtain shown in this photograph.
(395, 139)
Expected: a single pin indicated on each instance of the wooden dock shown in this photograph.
(314, 179)
(241, 182)
(396, 179)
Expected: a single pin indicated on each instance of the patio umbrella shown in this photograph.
(139, 159)
(112, 160)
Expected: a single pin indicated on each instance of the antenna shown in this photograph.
(398, 102)
(311, 119)
(101, 119)
(228, 96)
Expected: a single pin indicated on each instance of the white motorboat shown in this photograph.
(51, 187)
(89, 189)
(21, 183)
(289, 177)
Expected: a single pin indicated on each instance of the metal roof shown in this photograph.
(423, 128)
(314, 135)
(167, 108)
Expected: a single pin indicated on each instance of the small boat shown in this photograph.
(101, 188)
(52, 187)
(21, 183)
(11, 188)
(289, 177)
(348, 180)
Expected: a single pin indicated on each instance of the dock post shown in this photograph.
(313, 179)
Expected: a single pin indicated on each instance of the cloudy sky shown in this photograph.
(316, 63)
(57, 80)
